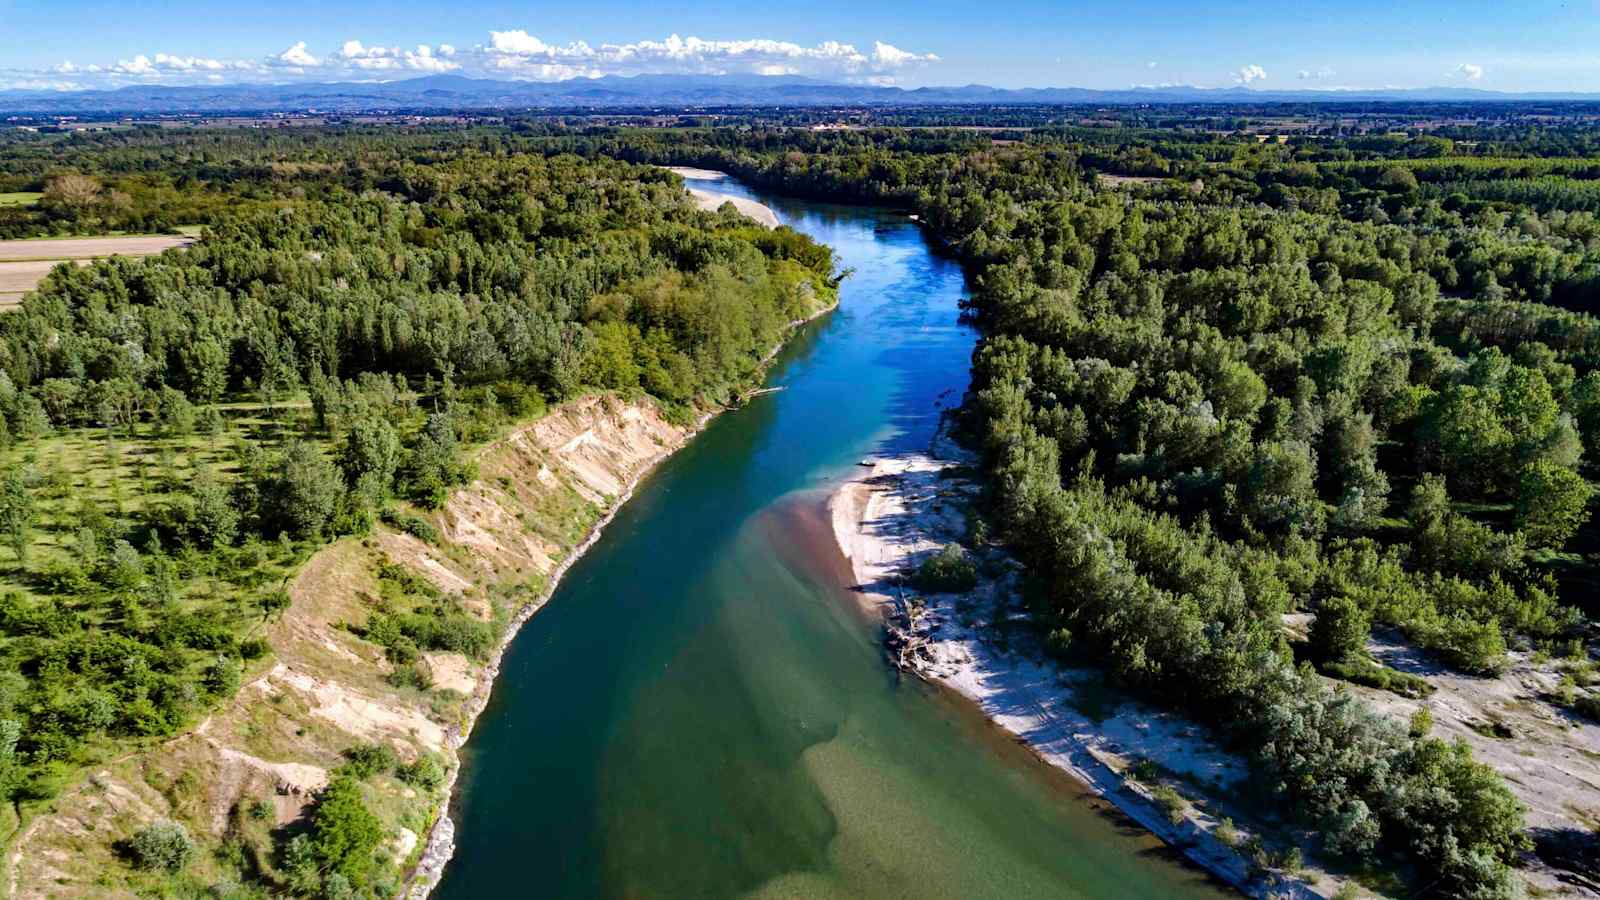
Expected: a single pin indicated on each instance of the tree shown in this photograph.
(1281, 487)
(370, 457)
(213, 520)
(1471, 441)
(431, 467)
(71, 192)
(344, 833)
(206, 365)
(1552, 503)
(166, 845)
(1340, 630)
(1398, 179)
(304, 492)
(17, 513)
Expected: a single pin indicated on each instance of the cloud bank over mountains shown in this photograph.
(509, 55)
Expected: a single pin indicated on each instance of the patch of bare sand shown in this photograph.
(697, 174)
(602, 444)
(408, 551)
(892, 515)
(20, 277)
(1549, 757)
(711, 201)
(451, 672)
(358, 714)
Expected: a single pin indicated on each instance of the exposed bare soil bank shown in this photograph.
(507, 537)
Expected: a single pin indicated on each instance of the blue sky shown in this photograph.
(1514, 46)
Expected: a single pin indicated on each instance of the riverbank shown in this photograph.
(1157, 768)
(439, 846)
(497, 551)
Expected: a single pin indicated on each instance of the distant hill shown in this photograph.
(458, 93)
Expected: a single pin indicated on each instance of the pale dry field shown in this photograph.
(24, 263)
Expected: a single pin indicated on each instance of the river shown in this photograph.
(703, 710)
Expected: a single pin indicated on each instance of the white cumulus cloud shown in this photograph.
(1469, 71)
(1248, 74)
(516, 54)
(357, 55)
(298, 56)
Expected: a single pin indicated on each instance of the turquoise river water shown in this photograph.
(703, 709)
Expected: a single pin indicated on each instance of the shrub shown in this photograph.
(416, 526)
(1171, 802)
(61, 577)
(1365, 671)
(366, 760)
(166, 845)
(254, 648)
(426, 773)
(222, 676)
(1340, 629)
(948, 571)
(1587, 705)
(1227, 833)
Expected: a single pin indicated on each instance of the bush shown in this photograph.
(366, 760)
(1227, 833)
(1587, 705)
(222, 677)
(1171, 802)
(1340, 630)
(416, 526)
(1366, 672)
(426, 773)
(62, 577)
(166, 845)
(416, 677)
(948, 571)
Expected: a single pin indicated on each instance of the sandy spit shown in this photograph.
(894, 511)
(710, 201)
(697, 174)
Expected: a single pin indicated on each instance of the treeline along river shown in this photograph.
(703, 710)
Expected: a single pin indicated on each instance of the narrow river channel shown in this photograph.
(702, 710)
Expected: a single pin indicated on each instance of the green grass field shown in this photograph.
(20, 198)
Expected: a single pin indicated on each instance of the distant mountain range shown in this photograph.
(457, 93)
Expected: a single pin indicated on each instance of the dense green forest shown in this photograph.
(179, 433)
(1277, 380)
(1354, 377)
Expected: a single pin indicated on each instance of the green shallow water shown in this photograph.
(702, 710)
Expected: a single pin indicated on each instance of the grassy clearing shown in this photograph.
(20, 198)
